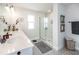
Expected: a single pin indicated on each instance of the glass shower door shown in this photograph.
(45, 30)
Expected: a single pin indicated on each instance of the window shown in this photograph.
(45, 22)
(31, 21)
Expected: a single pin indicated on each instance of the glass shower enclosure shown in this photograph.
(44, 25)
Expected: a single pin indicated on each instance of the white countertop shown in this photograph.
(16, 42)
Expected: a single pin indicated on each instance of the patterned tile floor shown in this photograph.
(36, 51)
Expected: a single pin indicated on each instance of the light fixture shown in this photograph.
(11, 15)
(8, 7)
(50, 9)
(11, 6)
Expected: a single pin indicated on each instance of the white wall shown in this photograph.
(55, 26)
(34, 34)
(72, 14)
(61, 11)
(23, 12)
(58, 37)
(39, 26)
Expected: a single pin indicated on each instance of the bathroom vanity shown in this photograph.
(17, 42)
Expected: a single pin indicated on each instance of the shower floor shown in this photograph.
(43, 47)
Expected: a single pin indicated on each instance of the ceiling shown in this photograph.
(43, 7)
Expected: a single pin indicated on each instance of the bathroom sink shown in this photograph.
(16, 42)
